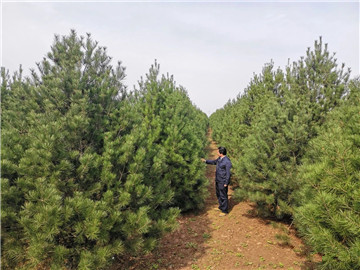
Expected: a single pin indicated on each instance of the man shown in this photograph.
(222, 178)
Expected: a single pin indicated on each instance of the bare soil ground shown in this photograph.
(240, 240)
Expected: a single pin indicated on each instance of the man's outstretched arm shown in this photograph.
(208, 161)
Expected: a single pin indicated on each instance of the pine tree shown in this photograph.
(271, 124)
(185, 129)
(328, 213)
(56, 178)
(173, 138)
(259, 169)
(318, 82)
(75, 158)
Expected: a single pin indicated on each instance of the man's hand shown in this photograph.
(203, 159)
(225, 185)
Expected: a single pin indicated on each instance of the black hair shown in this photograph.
(222, 150)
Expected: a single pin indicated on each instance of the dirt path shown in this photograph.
(240, 240)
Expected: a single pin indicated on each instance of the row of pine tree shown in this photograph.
(294, 140)
(91, 170)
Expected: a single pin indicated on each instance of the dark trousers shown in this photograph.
(222, 195)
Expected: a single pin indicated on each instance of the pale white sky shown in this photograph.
(212, 48)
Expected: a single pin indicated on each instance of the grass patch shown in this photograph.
(191, 245)
(284, 239)
(195, 267)
(206, 236)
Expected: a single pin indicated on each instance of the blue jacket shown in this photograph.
(223, 166)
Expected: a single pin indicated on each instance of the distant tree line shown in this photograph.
(294, 140)
(89, 169)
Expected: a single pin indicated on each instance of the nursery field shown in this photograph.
(98, 176)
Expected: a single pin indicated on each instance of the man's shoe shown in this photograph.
(216, 208)
(222, 214)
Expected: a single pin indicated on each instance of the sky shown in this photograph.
(212, 48)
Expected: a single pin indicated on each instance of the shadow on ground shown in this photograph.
(177, 249)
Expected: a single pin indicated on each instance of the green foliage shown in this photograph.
(54, 212)
(268, 128)
(89, 170)
(294, 142)
(177, 130)
(328, 215)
